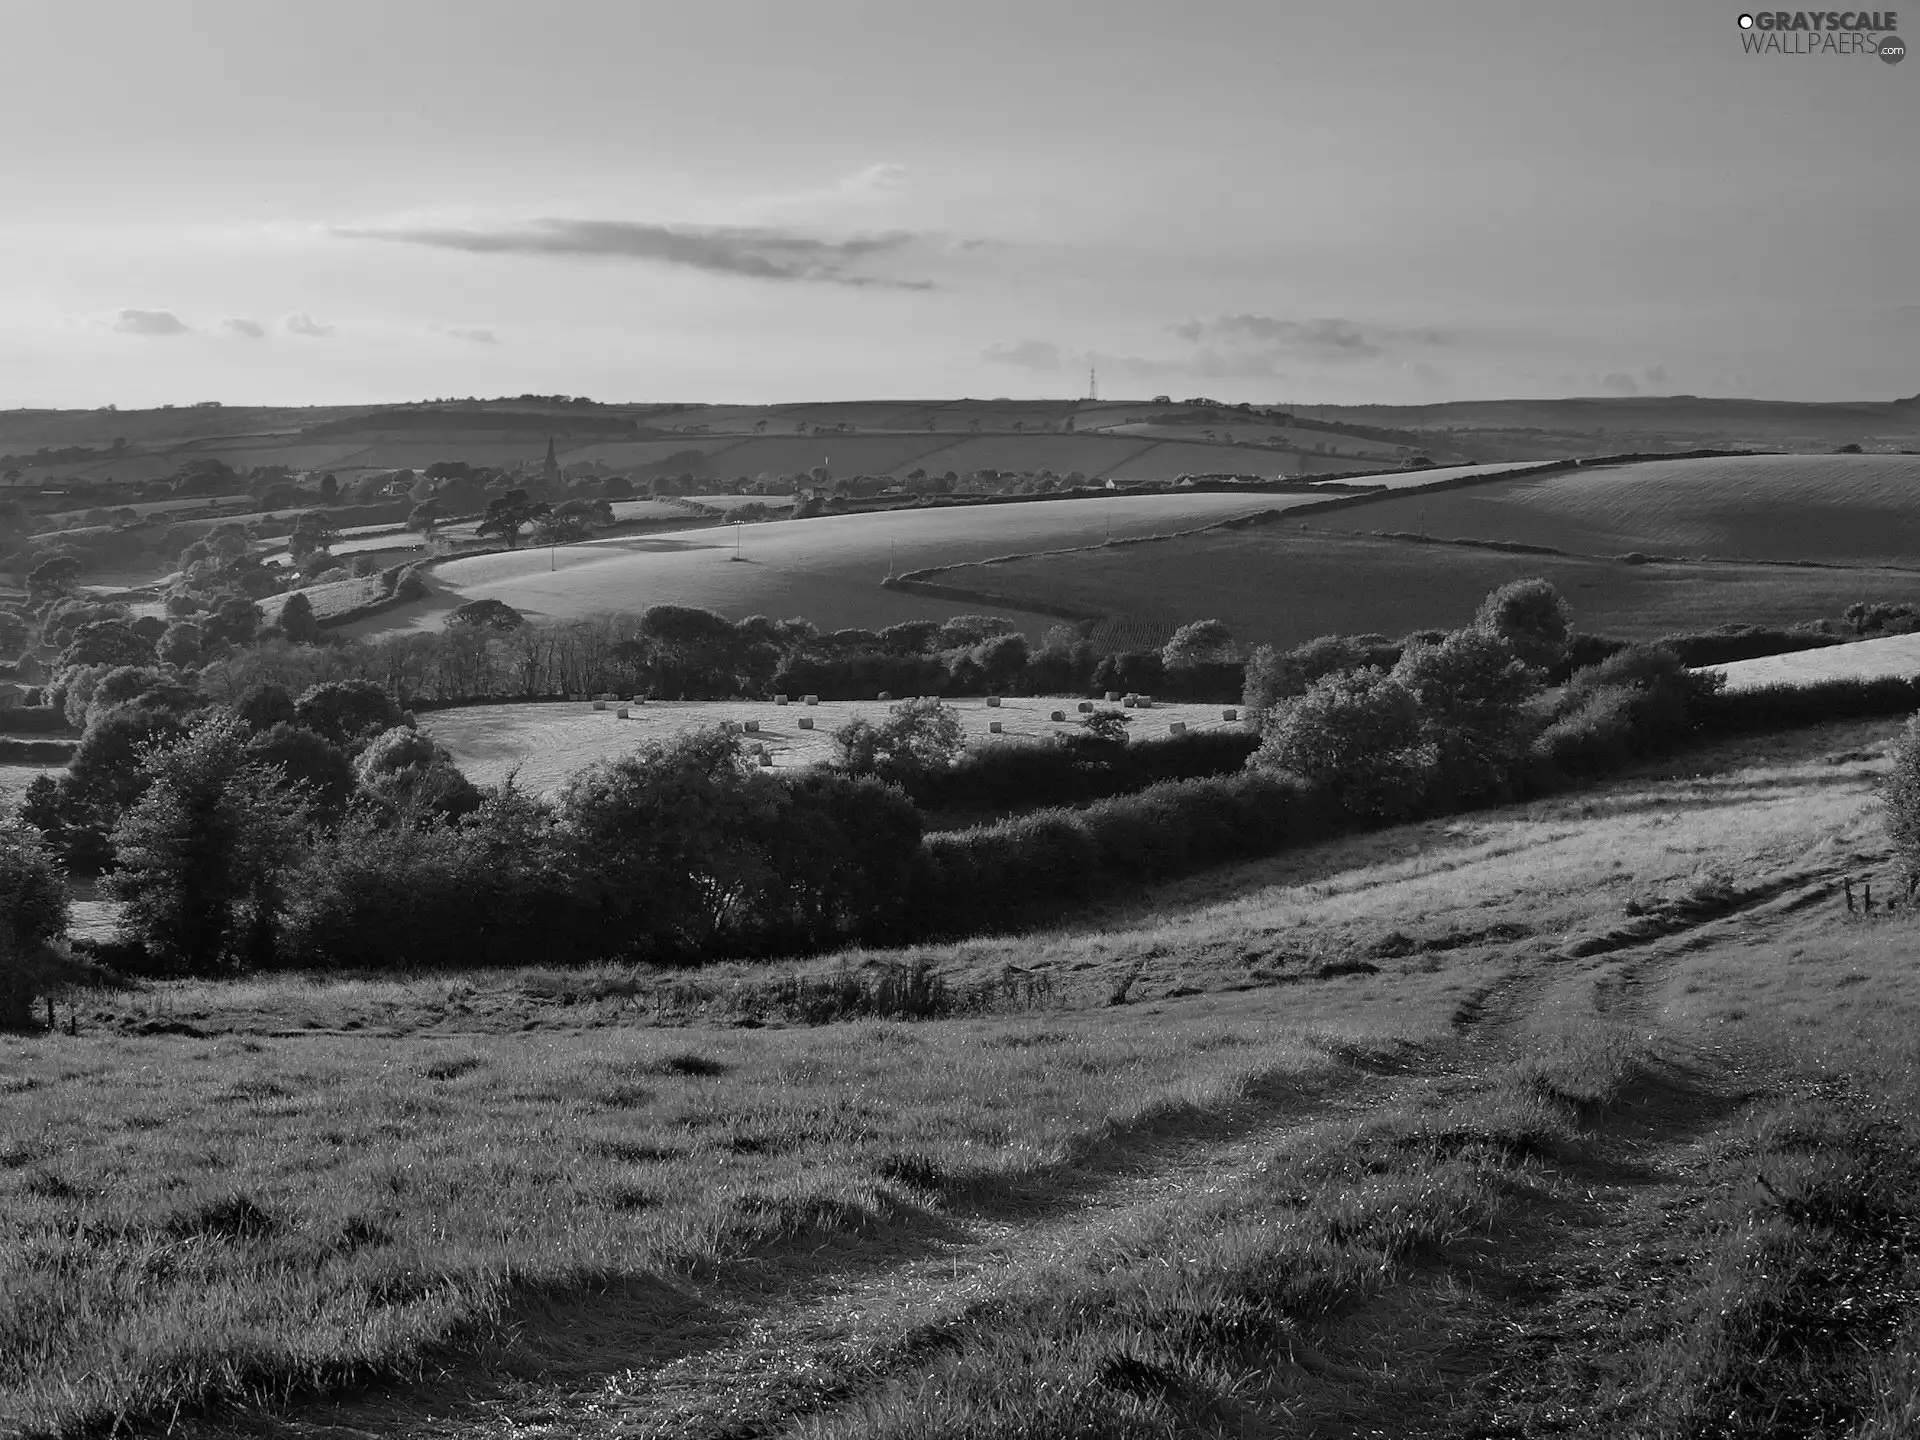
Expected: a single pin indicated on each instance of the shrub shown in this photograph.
(297, 620)
(33, 911)
(1470, 688)
(1203, 642)
(487, 614)
(307, 759)
(918, 738)
(266, 705)
(1900, 799)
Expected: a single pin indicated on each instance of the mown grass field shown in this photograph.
(827, 569)
(1446, 1130)
(543, 745)
(1275, 584)
(1836, 509)
(1891, 657)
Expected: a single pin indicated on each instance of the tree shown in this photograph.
(313, 533)
(425, 517)
(668, 843)
(329, 488)
(1204, 642)
(233, 620)
(917, 738)
(53, 577)
(1356, 733)
(1470, 688)
(307, 759)
(203, 853)
(508, 515)
(1531, 617)
(265, 705)
(33, 910)
(347, 712)
(1102, 734)
(106, 642)
(182, 644)
(414, 777)
(297, 621)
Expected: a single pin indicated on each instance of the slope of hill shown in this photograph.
(827, 569)
(1836, 509)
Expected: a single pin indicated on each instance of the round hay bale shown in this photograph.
(1178, 727)
(1112, 695)
(1058, 715)
(886, 695)
(599, 704)
(994, 727)
(753, 727)
(766, 760)
(1129, 702)
(1085, 707)
(622, 713)
(779, 699)
(1229, 714)
(810, 699)
(806, 722)
(993, 702)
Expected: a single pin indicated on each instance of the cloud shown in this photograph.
(304, 324)
(252, 329)
(1620, 384)
(1655, 377)
(473, 337)
(1323, 339)
(883, 175)
(150, 322)
(757, 252)
(1028, 354)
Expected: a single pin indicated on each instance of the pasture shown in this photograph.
(1835, 509)
(542, 745)
(1324, 1143)
(1275, 584)
(827, 569)
(1892, 657)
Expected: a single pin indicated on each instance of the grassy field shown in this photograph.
(1447, 1130)
(826, 569)
(1892, 657)
(545, 744)
(1837, 509)
(1275, 584)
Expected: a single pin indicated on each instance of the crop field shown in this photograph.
(1275, 584)
(1325, 1144)
(544, 744)
(1437, 475)
(1890, 657)
(1835, 509)
(827, 569)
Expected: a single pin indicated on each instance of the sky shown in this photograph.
(754, 201)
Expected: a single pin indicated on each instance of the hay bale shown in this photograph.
(806, 722)
(621, 713)
(1058, 715)
(1178, 727)
(809, 699)
(779, 699)
(1085, 707)
(994, 727)
(1143, 702)
(753, 727)
(1229, 714)
(1112, 695)
(886, 695)
(766, 760)
(993, 702)
(1129, 702)
(599, 704)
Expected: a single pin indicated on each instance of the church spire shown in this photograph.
(550, 472)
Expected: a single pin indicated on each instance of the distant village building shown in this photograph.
(550, 472)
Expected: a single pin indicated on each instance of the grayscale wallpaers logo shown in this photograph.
(1824, 32)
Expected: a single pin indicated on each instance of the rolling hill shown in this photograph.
(1835, 509)
(827, 569)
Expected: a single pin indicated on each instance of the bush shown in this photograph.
(1900, 799)
(413, 778)
(919, 738)
(1470, 689)
(33, 911)
(307, 759)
